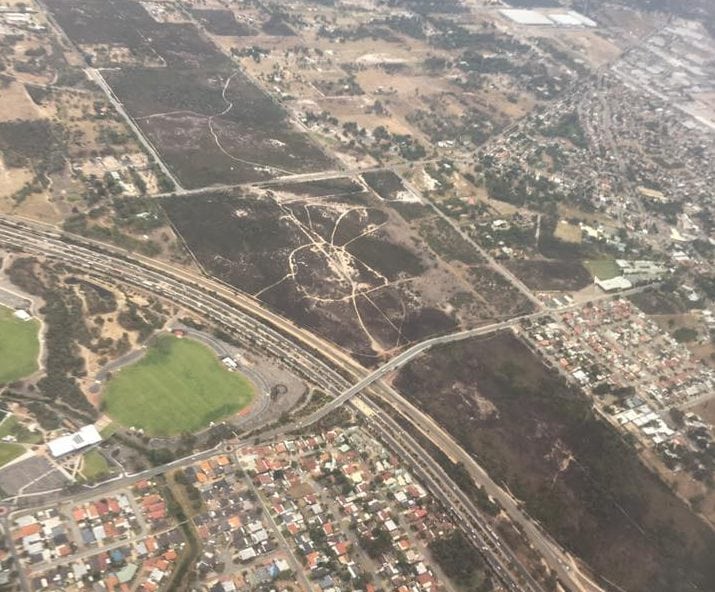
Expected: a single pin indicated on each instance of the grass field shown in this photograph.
(94, 465)
(603, 269)
(9, 452)
(179, 386)
(19, 347)
(109, 430)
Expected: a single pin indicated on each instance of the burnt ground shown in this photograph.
(207, 119)
(215, 126)
(341, 186)
(345, 266)
(222, 22)
(385, 183)
(550, 275)
(127, 23)
(573, 472)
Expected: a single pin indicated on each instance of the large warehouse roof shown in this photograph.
(84, 437)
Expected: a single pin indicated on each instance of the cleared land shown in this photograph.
(179, 386)
(19, 347)
(572, 471)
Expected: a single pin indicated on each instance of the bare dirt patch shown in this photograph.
(16, 103)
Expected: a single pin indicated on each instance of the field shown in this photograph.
(572, 471)
(347, 266)
(214, 126)
(9, 452)
(94, 465)
(551, 275)
(19, 347)
(569, 233)
(603, 269)
(179, 386)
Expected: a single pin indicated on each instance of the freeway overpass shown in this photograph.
(233, 310)
(128, 272)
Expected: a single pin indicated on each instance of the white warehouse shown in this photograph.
(86, 436)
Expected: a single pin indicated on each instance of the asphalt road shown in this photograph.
(116, 269)
(467, 516)
(240, 314)
(97, 77)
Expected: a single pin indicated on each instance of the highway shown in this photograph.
(124, 270)
(466, 515)
(243, 316)
(557, 558)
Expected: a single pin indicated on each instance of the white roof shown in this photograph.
(526, 17)
(86, 436)
(572, 18)
(246, 554)
(566, 19)
(616, 283)
(584, 19)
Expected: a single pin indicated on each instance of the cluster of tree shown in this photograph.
(78, 224)
(357, 33)
(64, 329)
(461, 562)
(472, 127)
(36, 144)
(144, 321)
(405, 144)
(255, 52)
(669, 210)
(377, 543)
(520, 187)
(567, 126)
(192, 492)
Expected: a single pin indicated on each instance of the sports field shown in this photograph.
(178, 386)
(19, 346)
(603, 269)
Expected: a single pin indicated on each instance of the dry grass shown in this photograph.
(17, 104)
(566, 232)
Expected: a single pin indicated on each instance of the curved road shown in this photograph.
(237, 312)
